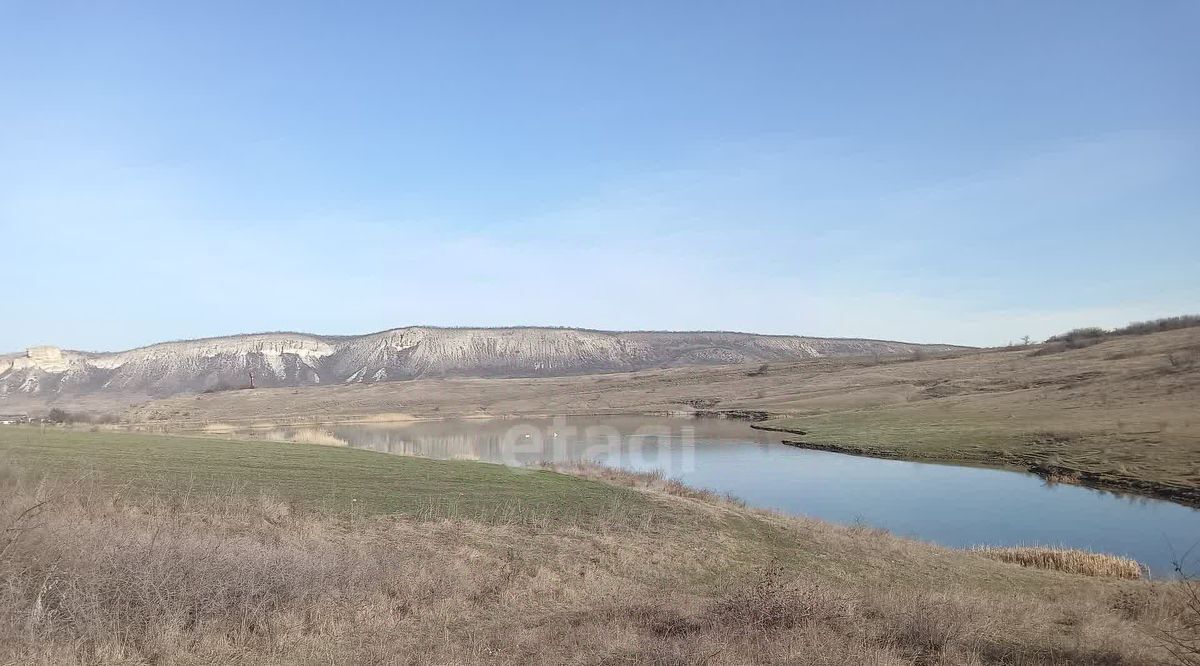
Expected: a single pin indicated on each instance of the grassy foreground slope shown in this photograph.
(136, 549)
(333, 480)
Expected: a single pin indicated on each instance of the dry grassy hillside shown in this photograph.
(1124, 413)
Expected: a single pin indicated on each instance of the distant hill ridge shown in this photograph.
(301, 359)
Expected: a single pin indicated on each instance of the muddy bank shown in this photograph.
(1052, 473)
(752, 415)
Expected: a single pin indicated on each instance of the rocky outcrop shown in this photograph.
(298, 359)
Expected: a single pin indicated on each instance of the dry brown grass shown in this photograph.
(654, 481)
(1067, 560)
(1182, 634)
(89, 575)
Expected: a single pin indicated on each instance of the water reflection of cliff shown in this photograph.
(304, 436)
(480, 446)
(637, 443)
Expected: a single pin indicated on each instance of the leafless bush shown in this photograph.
(224, 386)
(59, 415)
(1183, 360)
(1182, 631)
(929, 626)
(1135, 328)
(924, 627)
(1088, 333)
(1059, 346)
(1158, 325)
(770, 600)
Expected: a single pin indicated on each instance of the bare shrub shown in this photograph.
(57, 415)
(769, 600)
(1086, 333)
(1182, 633)
(928, 625)
(1183, 360)
(1158, 325)
(922, 626)
(1135, 328)
(223, 386)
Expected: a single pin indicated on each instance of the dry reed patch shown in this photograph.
(1067, 560)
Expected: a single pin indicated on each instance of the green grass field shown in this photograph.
(326, 478)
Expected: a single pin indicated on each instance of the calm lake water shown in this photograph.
(954, 506)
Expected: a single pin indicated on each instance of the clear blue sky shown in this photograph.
(950, 171)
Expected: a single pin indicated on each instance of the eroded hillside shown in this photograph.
(42, 375)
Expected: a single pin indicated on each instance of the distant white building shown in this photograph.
(13, 419)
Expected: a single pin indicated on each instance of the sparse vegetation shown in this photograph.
(1078, 334)
(1182, 633)
(1135, 328)
(759, 371)
(1184, 359)
(1060, 345)
(57, 415)
(226, 386)
(1085, 337)
(1159, 325)
(62, 416)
